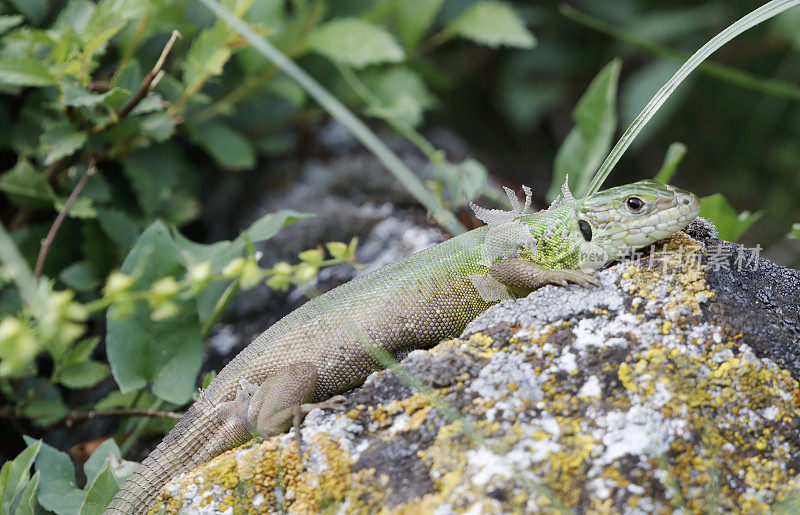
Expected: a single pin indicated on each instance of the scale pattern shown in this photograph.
(411, 304)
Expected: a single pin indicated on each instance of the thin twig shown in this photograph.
(51, 234)
(148, 81)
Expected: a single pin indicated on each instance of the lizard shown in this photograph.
(320, 350)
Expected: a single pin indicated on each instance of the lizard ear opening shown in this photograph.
(586, 229)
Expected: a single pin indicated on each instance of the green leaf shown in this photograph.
(588, 142)
(57, 489)
(165, 353)
(206, 57)
(354, 42)
(98, 461)
(228, 148)
(26, 186)
(15, 475)
(9, 22)
(119, 227)
(79, 276)
(153, 190)
(672, 159)
(221, 253)
(414, 18)
(34, 10)
(463, 182)
(268, 225)
(27, 500)
(82, 207)
(83, 375)
(730, 225)
(107, 19)
(75, 15)
(794, 233)
(100, 493)
(77, 96)
(82, 351)
(159, 126)
(493, 24)
(61, 140)
(25, 73)
(129, 77)
(403, 95)
(46, 411)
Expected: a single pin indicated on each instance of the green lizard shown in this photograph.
(321, 349)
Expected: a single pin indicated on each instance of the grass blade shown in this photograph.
(748, 21)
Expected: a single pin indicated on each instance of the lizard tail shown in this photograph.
(201, 434)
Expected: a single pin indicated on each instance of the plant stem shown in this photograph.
(134, 436)
(339, 112)
(51, 234)
(145, 86)
(219, 308)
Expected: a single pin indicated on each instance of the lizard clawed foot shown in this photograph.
(579, 277)
(521, 275)
(335, 403)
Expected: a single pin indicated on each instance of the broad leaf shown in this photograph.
(493, 24)
(228, 147)
(79, 276)
(83, 375)
(154, 190)
(77, 96)
(141, 351)
(206, 57)
(15, 475)
(159, 126)
(730, 225)
(34, 10)
(414, 18)
(26, 186)
(57, 489)
(119, 227)
(100, 492)
(221, 253)
(794, 233)
(61, 140)
(588, 142)
(354, 42)
(99, 459)
(25, 73)
(9, 22)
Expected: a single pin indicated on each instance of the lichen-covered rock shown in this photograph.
(671, 386)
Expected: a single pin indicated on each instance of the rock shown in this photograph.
(673, 386)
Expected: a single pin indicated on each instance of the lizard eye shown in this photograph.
(634, 203)
(586, 230)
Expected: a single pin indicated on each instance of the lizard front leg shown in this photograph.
(284, 399)
(523, 276)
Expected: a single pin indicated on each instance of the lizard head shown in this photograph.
(620, 220)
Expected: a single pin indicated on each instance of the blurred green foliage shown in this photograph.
(111, 110)
(84, 107)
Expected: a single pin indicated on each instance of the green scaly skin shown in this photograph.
(319, 350)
